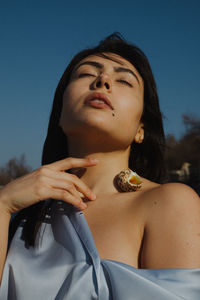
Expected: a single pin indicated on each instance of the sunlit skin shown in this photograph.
(157, 226)
(97, 133)
(120, 221)
(125, 94)
(93, 132)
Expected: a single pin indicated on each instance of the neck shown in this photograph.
(99, 178)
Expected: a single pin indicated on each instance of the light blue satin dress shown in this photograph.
(65, 264)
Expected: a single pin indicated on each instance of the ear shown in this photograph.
(140, 134)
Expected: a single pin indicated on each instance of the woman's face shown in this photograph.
(112, 79)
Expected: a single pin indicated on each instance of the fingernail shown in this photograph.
(94, 160)
(93, 196)
(83, 206)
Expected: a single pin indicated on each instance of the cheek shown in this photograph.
(72, 99)
(130, 113)
(67, 108)
(131, 110)
(68, 96)
(73, 95)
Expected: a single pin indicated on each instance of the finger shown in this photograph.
(62, 179)
(64, 185)
(71, 162)
(59, 194)
(82, 187)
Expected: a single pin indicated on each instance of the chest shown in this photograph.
(117, 229)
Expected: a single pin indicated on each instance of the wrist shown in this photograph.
(3, 204)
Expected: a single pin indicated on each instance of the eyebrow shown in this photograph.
(100, 66)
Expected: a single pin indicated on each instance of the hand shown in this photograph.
(49, 181)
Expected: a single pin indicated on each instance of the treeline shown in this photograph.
(182, 157)
(14, 168)
(183, 154)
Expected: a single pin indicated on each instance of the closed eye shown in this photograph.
(124, 82)
(84, 75)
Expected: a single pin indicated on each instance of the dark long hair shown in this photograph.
(146, 158)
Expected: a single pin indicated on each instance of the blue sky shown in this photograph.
(38, 39)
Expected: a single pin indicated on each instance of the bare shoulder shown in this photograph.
(172, 229)
(171, 195)
(177, 191)
(174, 201)
(181, 198)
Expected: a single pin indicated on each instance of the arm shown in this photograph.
(4, 225)
(49, 181)
(172, 234)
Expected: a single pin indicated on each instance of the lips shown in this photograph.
(98, 96)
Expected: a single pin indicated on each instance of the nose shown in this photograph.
(103, 81)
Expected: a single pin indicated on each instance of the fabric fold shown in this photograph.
(65, 264)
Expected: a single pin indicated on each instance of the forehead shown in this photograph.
(110, 59)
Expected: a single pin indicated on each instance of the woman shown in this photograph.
(97, 241)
